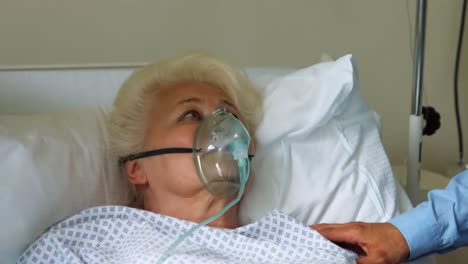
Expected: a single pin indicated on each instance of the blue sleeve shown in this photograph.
(439, 224)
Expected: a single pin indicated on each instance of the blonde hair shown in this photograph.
(137, 95)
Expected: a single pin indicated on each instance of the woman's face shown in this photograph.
(174, 118)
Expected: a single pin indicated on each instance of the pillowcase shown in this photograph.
(305, 99)
(319, 158)
(52, 166)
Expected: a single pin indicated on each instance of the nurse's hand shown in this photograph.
(374, 242)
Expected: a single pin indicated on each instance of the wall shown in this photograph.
(258, 33)
(441, 150)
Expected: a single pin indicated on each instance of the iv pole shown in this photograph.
(416, 117)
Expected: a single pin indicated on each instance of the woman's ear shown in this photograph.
(136, 174)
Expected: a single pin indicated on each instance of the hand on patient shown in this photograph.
(377, 242)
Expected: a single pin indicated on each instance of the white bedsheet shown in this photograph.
(117, 234)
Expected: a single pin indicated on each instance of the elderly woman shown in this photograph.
(161, 106)
(182, 131)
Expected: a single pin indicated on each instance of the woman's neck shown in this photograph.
(195, 209)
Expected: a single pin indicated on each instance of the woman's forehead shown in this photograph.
(192, 92)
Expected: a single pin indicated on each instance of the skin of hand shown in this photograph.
(374, 242)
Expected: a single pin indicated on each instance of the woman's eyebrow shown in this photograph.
(199, 100)
(189, 100)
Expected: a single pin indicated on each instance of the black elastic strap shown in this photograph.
(156, 152)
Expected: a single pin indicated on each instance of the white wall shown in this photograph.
(441, 151)
(258, 33)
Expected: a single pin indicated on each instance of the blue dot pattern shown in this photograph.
(117, 234)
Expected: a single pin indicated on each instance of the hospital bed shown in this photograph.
(320, 157)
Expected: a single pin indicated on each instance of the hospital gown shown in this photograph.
(117, 234)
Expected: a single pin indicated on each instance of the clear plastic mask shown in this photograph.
(220, 150)
(220, 153)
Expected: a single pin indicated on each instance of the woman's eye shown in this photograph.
(232, 112)
(192, 115)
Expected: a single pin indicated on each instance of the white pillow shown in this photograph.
(52, 166)
(305, 99)
(319, 159)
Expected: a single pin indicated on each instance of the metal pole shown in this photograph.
(416, 119)
(416, 107)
